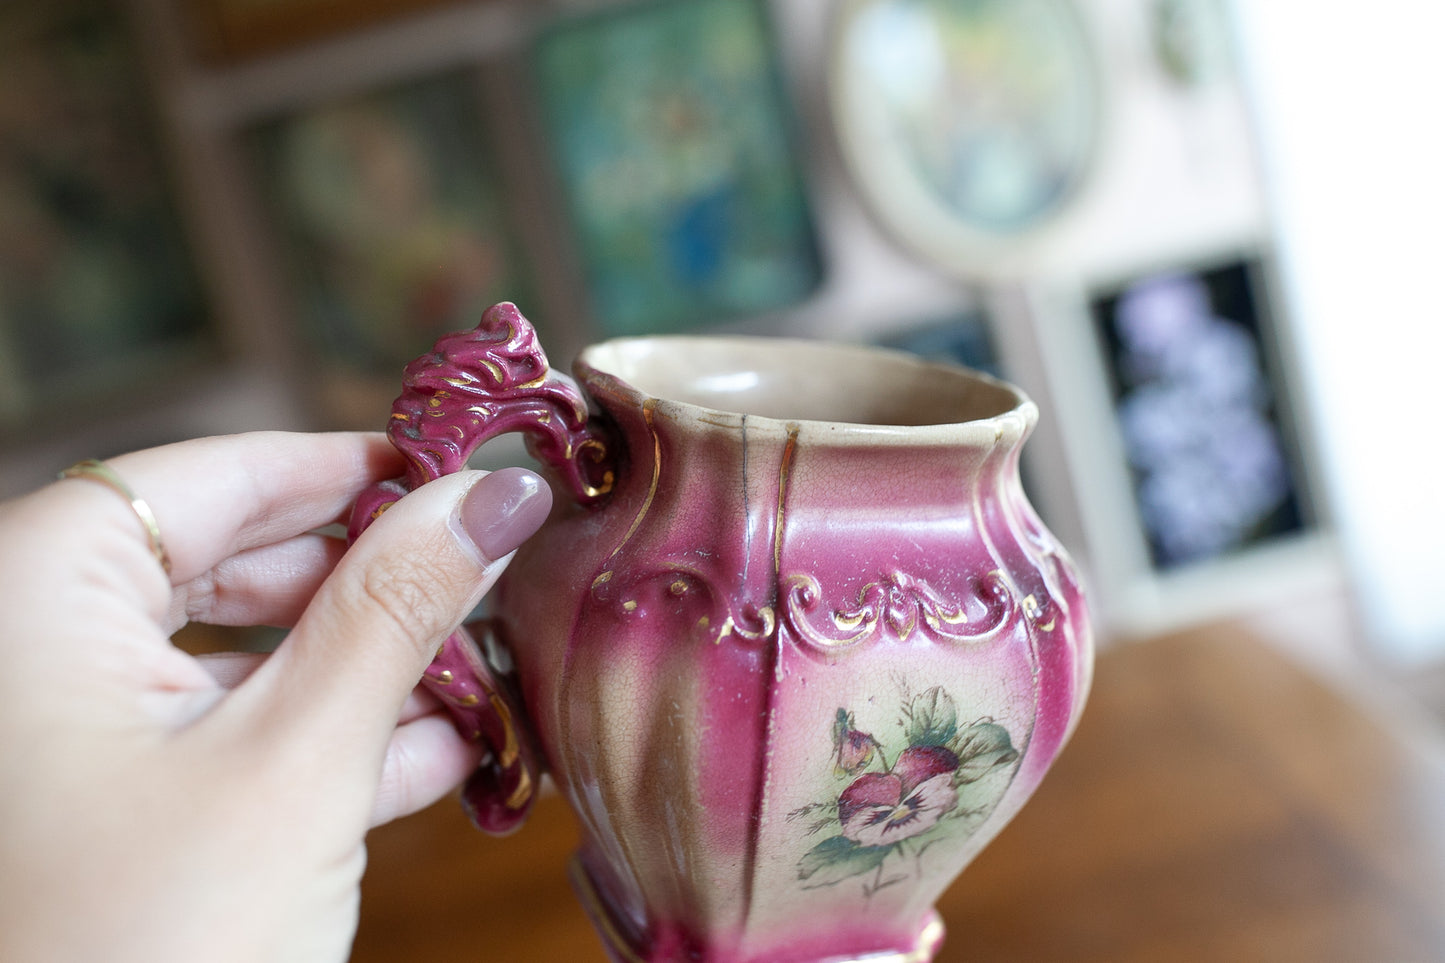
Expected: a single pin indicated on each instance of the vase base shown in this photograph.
(619, 949)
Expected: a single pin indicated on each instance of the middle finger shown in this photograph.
(268, 585)
(215, 497)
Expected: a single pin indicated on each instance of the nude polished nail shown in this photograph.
(502, 510)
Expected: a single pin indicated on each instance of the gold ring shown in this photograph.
(99, 471)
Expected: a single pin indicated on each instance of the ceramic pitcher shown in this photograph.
(793, 643)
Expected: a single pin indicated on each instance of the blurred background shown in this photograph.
(1201, 234)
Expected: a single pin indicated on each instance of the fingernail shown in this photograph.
(502, 510)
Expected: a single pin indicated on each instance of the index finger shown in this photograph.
(214, 497)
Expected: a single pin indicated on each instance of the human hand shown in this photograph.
(155, 806)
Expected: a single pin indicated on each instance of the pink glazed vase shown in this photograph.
(793, 643)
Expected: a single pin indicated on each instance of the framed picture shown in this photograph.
(969, 126)
(1191, 40)
(228, 30)
(967, 339)
(1200, 406)
(98, 290)
(673, 143)
(390, 221)
(1178, 429)
(963, 339)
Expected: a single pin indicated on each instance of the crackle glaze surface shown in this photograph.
(793, 643)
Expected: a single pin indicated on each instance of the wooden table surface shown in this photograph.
(1216, 804)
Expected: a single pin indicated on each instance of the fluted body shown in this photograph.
(804, 658)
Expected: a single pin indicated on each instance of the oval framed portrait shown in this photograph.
(970, 126)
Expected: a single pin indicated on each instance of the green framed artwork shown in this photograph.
(390, 219)
(673, 142)
(97, 285)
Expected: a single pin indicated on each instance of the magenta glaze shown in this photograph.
(474, 386)
(791, 673)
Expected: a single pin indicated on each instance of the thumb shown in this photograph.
(402, 588)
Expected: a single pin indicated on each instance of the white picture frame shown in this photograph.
(1134, 593)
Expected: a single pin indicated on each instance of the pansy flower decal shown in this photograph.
(935, 788)
(852, 750)
(879, 808)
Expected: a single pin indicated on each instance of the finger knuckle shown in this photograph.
(201, 597)
(397, 774)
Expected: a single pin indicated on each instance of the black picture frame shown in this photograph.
(1201, 405)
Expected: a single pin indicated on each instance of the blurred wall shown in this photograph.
(1349, 112)
(1344, 202)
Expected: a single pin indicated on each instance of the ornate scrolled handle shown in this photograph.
(473, 386)
(478, 384)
